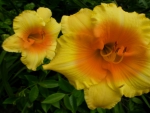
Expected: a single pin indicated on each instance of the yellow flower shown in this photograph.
(35, 37)
(106, 52)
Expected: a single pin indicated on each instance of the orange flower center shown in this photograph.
(112, 53)
(34, 38)
(37, 37)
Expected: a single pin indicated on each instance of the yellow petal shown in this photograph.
(101, 95)
(132, 76)
(50, 52)
(106, 18)
(26, 23)
(12, 44)
(130, 91)
(52, 28)
(107, 12)
(77, 22)
(76, 60)
(45, 13)
(32, 59)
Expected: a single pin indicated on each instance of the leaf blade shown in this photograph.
(53, 98)
(33, 94)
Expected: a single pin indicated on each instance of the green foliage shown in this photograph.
(55, 97)
(33, 94)
(49, 83)
(25, 91)
(29, 6)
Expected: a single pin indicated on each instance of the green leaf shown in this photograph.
(118, 108)
(22, 104)
(56, 104)
(46, 61)
(31, 79)
(25, 108)
(53, 98)
(19, 72)
(145, 100)
(45, 107)
(82, 109)
(49, 84)
(79, 96)
(137, 100)
(144, 3)
(77, 93)
(33, 94)
(12, 61)
(67, 103)
(70, 103)
(79, 3)
(92, 111)
(29, 6)
(73, 103)
(4, 36)
(4, 75)
(8, 21)
(44, 91)
(131, 105)
(60, 111)
(2, 55)
(10, 100)
(100, 110)
(3, 25)
(65, 85)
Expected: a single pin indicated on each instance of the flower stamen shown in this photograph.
(112, 53)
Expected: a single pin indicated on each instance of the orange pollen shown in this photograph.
(112, 53)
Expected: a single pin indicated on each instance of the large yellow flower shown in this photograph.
(35, 36)
(106, 52)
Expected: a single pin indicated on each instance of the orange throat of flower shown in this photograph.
(36, 41)
(112, 53)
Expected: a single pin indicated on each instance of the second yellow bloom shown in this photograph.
(35, 37)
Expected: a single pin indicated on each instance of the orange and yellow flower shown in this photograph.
(106, 52)
(35, 37)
